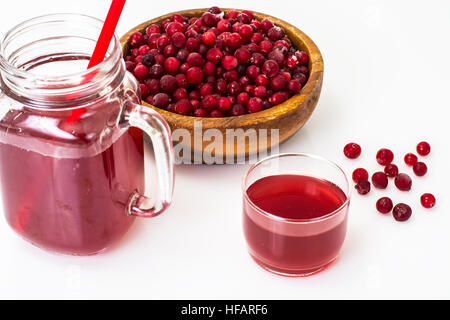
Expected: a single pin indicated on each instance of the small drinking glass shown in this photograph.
(295, 213)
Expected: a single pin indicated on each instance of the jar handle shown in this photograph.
(153, 124)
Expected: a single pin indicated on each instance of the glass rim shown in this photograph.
(297, 221)
(60, 85)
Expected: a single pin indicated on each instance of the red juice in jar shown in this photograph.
(71, 143)
(297, 239)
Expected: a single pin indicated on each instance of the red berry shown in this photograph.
(242, 55)
(209, 103)
(144, 91)
(423, 148)
(179, 40)
(238, 110)
(391, 170)
(385, 157)
(161, 100)
(174, 27)
(183, 107)
(192, 44)
(294, 87)
(195, 59)
(245, 31)
(302, 57)
(141, 72)
(153, 28)
(352, 150)
(195, 75)
(168, 83)
(265, 46)
(201, 113)
(172, 65)
(385, 205)
(360, 174)
(277, 98)
(260, 92)
(403, 182)
(209, 38)
(224, 104)
(363, 187)
(402, 212)
(266, 25)
(428, 200)
(420, 169)
(224, 25)
(411, 159)
(270, 68)
(229, 62)
(235, 40)
(243, 98)
(136, 39)
(254, 105)
(214, 55)
(380, 180)
(262, 80)
(278, 83)
(275, 33)
(216, 114)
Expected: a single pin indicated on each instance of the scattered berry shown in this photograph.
(385, 157)
(403, 182)
(428, 200)
(380, 180)
(363, 187)
(423, 148)
(384, 205)
(420, 169)
(391, 170)
(360, 174)
(352, 150)
(411, 159)
(402, 212)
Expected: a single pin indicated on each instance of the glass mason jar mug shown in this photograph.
(71, 143)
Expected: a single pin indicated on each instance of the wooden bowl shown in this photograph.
(288, 117)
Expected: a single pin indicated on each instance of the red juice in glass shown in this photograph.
(294, 224)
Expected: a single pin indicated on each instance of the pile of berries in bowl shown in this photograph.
(218, 64)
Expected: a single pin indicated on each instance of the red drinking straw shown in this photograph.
(106, 35)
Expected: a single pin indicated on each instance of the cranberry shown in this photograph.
(141, 72)
(243, 98)
(214, 55)
(209, 69)
(363, 187)
(229, 62)
(245, 31)
(260, 92)
(278, 83)
(148, 60)
(144, 91)
(183, 107)
(161, 100)
(254, 105)
(178, 39)
(209, 19)
(385, 205)
(224, 25)
(385, 157)
(143, 50)
(420, 169)
(302, 57)
(262, 80)
(391, 170)
(266, 25)
(136, 39)
(275, 33)
(194, 59)
(423, 148)
(235, 40)
(300, 77)
(178, 18)
(265, 46)
(215, 10)
(209, 38)
(360, 174)
(352, 150)
(156, 71)
(403, 182)
(277, 56)
(224, 104)
(174, 27)
(380, 180)
(234, 88)
(180, 94)
(253, 71)
(244, 18)
(209, 103)
(270, 68)
(257, 59)
(200, 113)
(238, 110)
(153, 28)
(162, 42)
(402, 212)
(170, 51)
(216, 114)
(277, 98)
(195, 75)
(153, 86)
(292, 61)
(242, 55)
(257, 37)
(130, 66)
(428, 200)
(192, 44)
(172, 65)
(294, 87)
(411, 159)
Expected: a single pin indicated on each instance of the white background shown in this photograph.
(387, 70)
